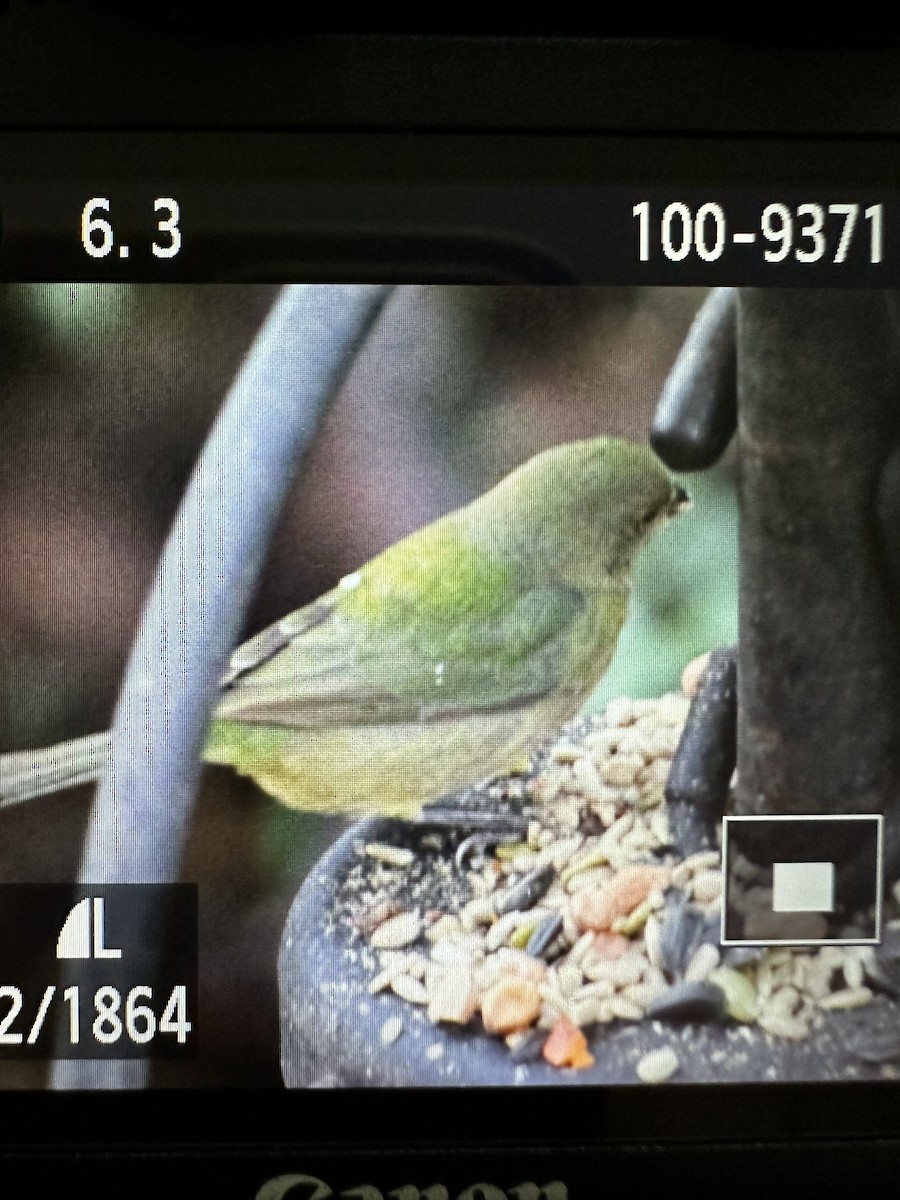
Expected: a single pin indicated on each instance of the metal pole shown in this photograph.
(204, 583)
(819, 426)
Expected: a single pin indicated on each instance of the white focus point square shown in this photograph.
(803, 887)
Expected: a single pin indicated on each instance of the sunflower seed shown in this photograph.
(846, 998)
(706, 886)
(784, 1027)
(526, 893)
(657, 1066)
(394, 856)
(397, 932)
(546, 932)
(681, 933)
(409, 989)
(704, 959)
(625, 1009)
(391, 1030)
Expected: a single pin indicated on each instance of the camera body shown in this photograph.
(141, 151)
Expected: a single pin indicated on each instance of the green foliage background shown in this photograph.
(685, 593)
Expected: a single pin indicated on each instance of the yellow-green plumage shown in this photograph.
(451, 654)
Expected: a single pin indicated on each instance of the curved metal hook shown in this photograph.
(193, 618)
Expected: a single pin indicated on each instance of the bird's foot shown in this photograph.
(480, 817)
(477, 810)
(472, 851)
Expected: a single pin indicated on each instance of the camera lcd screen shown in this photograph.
(520, 767)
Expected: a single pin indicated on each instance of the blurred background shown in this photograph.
(106, 394)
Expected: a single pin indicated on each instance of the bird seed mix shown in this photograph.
(589, 918)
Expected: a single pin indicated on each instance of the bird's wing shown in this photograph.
(265, 645)
(323, 666)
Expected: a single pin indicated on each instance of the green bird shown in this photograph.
(443, 660)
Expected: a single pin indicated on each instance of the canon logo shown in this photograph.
(308, 1187)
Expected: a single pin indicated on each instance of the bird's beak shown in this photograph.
(679, 502)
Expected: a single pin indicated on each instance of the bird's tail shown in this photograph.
(26, 774)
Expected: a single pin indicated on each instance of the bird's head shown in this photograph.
(583, 508)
